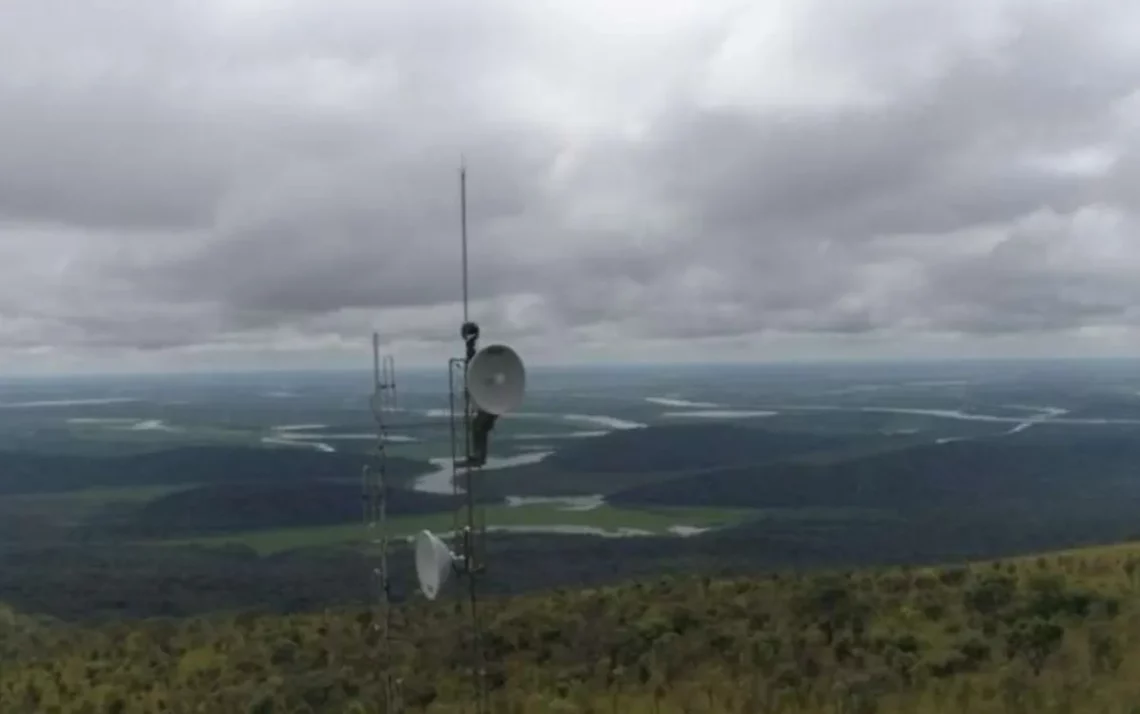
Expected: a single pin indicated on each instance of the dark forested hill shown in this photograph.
(250, 506)
(26, 472)
(961, 474)
(253, 506)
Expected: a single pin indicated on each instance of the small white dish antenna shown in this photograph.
(434, 563)
(496, 379)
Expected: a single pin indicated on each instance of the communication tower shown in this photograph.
(374, 498)
(483, 385)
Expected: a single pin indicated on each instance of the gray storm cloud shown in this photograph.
(234, 175)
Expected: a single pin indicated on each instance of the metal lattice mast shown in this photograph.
(465, 468)
(482, 385)
(375, 499)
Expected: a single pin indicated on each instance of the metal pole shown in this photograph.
(463, 227)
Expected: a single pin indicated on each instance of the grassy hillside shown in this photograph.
(1054, 633)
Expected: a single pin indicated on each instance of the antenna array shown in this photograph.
(374, 497)
(482, 385)
(464, 466)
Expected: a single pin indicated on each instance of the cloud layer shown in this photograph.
(219, 181)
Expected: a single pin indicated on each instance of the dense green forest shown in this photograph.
(957, 474)
(684, 447)
(1054, 633)
(627, 459)
(91, 581)
(105, 552)
(29, 472)
(249, 506)
(114, 604)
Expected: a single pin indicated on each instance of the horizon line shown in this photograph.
(593, 365)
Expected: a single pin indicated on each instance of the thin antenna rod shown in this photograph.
(463, 226)
(376, 361)
(472, 562)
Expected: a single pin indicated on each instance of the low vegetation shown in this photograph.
(1051, 633)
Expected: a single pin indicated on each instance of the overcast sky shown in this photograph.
(224, 183)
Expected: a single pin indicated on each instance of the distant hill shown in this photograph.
(802, 539)
(252, 506)
(685, 447)
(964, 474)
(16, 526)
(23, 472)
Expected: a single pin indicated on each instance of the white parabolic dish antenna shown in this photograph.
(496, 379)
(434, 562)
